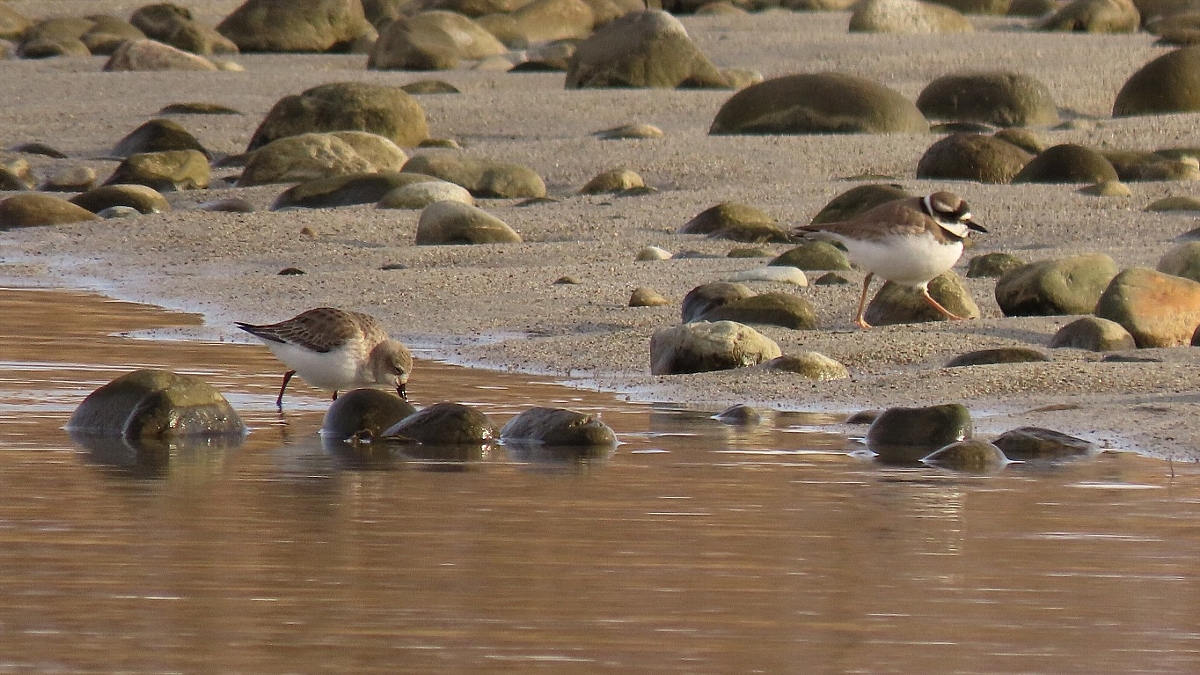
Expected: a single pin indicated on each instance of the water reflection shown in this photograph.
(693, 546)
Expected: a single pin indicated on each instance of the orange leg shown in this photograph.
(287, 377)
(862, 302)
(938, 306)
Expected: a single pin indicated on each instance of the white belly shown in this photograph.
(910, 261)
(336, 370)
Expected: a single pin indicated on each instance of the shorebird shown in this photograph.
(335, 349)
(906, 241)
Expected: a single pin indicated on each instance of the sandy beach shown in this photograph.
(497, 306)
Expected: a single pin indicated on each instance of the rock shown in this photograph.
(1035, 443)
(858, 200)
(992, 265)
(197, 108)
(630, 131)
(444, 223)
(616, 180)
(157, 135)
(118, 212)
(13, 24)
(345, 106)
(420, 195)
(653, 253)
(1067, 163)
(359, 188)
(107, 33)
(772, 309)
(976, 157)
(431, 40)
(1093, 334)
(444, 424)
(706, 297)
(1158, 310)
(908, 17)
(814, 255)
(542, 21)
(813, 365)
(736, 222)
(779, 274)
(226, 205)
(642, 49)
(986, 357)
(45, 49)
(174, 25)
(557, 426)
(994, 7)
(149, 55)
(1095, 16)
(703, 346)
(482, 177)
(297, 25)
(739, 415)
(382, 153)
(817, 103)
(1168, 84)
(70, 179)
(423, 87)
(907, 435)
(831, 279)
(364, 414)
(1177, 203)
(1182, 260)
(1135, 165)
(895, 304)
(646, 297)
(971, 456)
(144, 199)
(31, 210)
(1023, 138)
(165, 171)
(156, 405)
(1051, 287)
(1107, 188)
(16, 175)
(304, 157)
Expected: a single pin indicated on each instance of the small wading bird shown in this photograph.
(335, 349)
(906, 241)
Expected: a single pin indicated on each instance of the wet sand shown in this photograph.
(498, 307)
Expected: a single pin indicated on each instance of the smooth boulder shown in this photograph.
(968, 156)
(648, 49)
(454, 223)
(156, 405)
(32, 210)
(1093, 334)
(364, 414)
(340, 106)
(706, 346)
(895, 304)
(444, 423)
(557, 426)
(1051, 287)
(484, 178)
(165, 171)
(907, 17)
(1167, 84)
(906, 435)
(297, 25)
(818, 103)
(1158, 310)
(999, 98)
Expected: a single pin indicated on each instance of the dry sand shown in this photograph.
(497, 306)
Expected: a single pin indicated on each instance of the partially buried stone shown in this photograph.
(970, 456)
(907, 435)
(814, 255)
(1093, 334)
(364, 410)
(813, 365)
(739, 414)
(895, 304)
(157, 405)
(646, 297)
(992, 265)
(706, 346)
(616, 180)
(144, 199)
(444, 423)
(30, 210)
(557, 426)
(1036, 443)
(984, 357)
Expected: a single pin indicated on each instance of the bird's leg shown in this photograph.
(862, 302)
(402, 391)
(286, 378)
(334, 394)
(938, 306)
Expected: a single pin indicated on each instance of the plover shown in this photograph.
(335, 349)
(906, 241)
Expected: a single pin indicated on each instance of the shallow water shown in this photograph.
(695, 547)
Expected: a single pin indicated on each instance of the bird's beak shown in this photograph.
(975, 226)
(402, 392)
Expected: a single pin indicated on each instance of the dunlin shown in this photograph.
(335, 349)
(906, 241)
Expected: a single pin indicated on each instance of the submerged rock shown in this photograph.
(557, 426)
(907, 435)
(156, 405)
